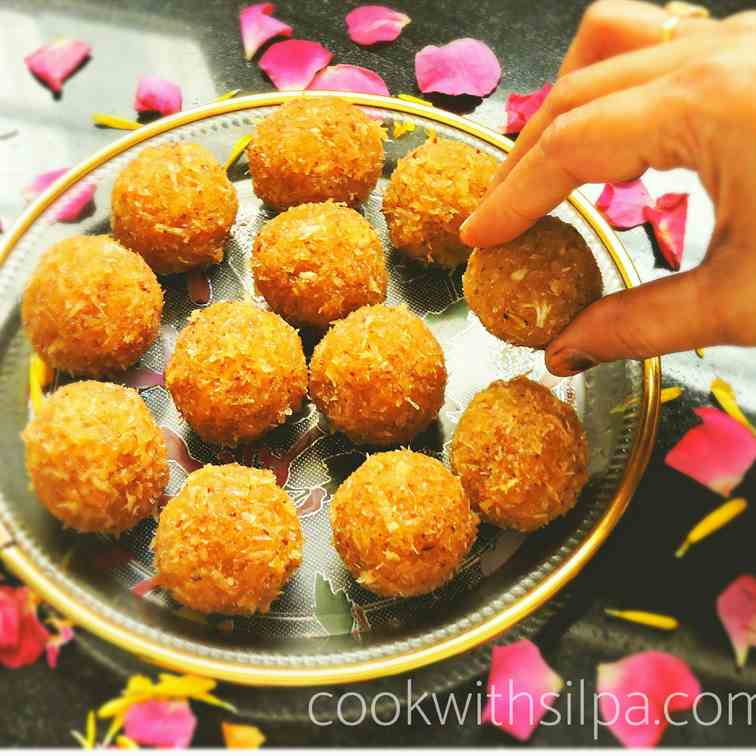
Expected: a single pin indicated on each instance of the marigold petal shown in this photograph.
(637, 693)
(521, 107)
(717, 453)
(725, 395)
(368, 24)
(236, 150)
(651, 619)
(346, 78)
(713, 521)
(293, 63)
(736, 609)
(258, 26)
(521, 686)
(668, 218)
(227, 95)
(464, 66)
(55, 62)
(412, 98)
(241, 736)
(156, 95)
(622, 203)
(115, 122)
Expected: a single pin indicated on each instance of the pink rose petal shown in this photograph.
(369, 24)
(20, 616)
(160, 723)
(64, 635)
(521, 686)
(638, 693)
(717, 453)
(74, 202)
(736, 608)
(464, 66)
(346, 78)
(55, 62)
(668, 218)
(156, 95)
(520, 108)
(258, 26)
(623, 204)
(42, 182)
(293, 63)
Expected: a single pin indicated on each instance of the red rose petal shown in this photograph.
(736, 608)
(72, 204)
(369, 24)
(55, 62)
(293, 63)
(464, 66)
(258, 26)
(717, 453)
(520, 108)
(346, 78)
(10, 619)
(668, 218)
(41, 182)
(637, 694)
(623, 204)
(520, 688)
(32, 635)
(160, 723)
(156, 95)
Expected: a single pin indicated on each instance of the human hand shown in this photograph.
(623, 103)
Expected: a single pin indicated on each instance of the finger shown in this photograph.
(660, 317)
(605, 140)
(600, 79)
(612, 27)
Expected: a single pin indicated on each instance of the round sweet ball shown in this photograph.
(379, 376)
(432, 192)
(312, 149)
(402, 523)
(521, 453)
(175, 205)
(96, 457)
(237, 371)
(229, 541)
(316, 263)
(528, 290)
(91, 307)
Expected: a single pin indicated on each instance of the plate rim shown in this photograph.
(23, 566)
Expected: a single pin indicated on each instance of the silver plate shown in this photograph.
(324, 627)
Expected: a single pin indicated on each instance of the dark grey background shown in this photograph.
(196, 43)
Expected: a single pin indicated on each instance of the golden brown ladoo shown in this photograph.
(526, 291)
(521, 454)
(379, 375)
(402, 523)
(312, 149)
(91, 307)
(175, 206)
(433, 190)
(237, 371)
(96, 457)
(316, 263)
(229, 541)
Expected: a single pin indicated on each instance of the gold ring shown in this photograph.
(677, 11)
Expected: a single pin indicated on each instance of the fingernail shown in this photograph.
(569, 362)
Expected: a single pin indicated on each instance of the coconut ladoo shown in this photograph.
(313, 149)
(237, 371)
(402, 523)
(432, 192)
(318, 262)
(379, 376)
(229, 541)
(174, 205)
(96, 457)
(528, 290)
(521, 454)
(91, 306)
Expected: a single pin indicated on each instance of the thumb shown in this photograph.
(672, 314)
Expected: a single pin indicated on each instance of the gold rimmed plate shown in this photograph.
(324, 628)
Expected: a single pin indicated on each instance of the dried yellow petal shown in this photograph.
(114, 122)
(124, 742)
(726, 397)
(699, 351)
(412, 98)
(239, 146)
(241, 736)
(667, 395)
(659, 621)
(228, 95)
(40, 377)
(713, 521)
(402, 127)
